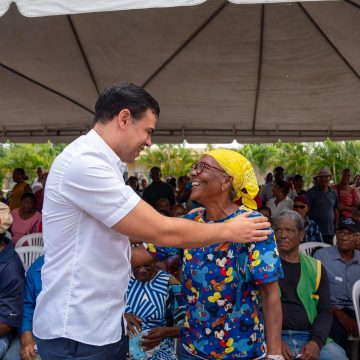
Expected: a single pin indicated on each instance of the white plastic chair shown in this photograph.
(356, 299)
(308, 247)
(28, 254)
(31, 240)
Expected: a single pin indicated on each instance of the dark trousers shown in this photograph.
(66, 349)
(338, 333)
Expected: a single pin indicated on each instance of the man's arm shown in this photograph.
(346, 321)
(146, 224)
(271, 308)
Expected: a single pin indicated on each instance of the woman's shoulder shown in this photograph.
(15, 212)
(195, 214)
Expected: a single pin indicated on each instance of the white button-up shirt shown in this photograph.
(87, 263)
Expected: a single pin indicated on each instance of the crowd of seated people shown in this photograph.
(319, 327)
(25, 203)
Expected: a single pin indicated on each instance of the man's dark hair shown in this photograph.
(297, 177)
(124, 96)
(279, 169)
(155, 169)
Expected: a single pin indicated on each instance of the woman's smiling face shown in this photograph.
(206, 183)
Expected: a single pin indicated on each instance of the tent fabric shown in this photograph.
(33, 8)
(220, 71)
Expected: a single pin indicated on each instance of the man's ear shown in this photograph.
(124, 118)
(302, 234)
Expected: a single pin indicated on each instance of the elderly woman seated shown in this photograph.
(153, 312)
(226, 318)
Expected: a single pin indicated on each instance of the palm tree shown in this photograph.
(173, 160)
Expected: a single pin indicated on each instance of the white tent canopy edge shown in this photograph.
(34, 8)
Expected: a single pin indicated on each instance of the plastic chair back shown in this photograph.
(356, 299)
(28, 254)
(308, 247)
(31, 240)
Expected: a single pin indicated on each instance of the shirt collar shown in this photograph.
(98, 142)
(355, 258)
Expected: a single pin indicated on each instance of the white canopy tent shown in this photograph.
(221, 71)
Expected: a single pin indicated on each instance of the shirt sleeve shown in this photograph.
(161, 253)
(29, 300)
(321, 326)
(264, 261)
(94, 185)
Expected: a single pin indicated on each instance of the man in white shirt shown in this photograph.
(88, 215)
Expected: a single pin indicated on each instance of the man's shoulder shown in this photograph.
(11, 267)
(312, 190)
(357, 255)
(325, 252)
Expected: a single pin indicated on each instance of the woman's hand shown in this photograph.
(133, 323)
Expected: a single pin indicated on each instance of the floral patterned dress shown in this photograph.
(220, 286)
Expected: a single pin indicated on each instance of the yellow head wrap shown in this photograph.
(241, 170)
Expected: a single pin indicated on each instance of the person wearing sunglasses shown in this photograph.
(225, 316)
(312, 230)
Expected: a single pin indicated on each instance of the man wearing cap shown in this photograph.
(324, 205)
(342, 263)
(312, 231)
(11, 284)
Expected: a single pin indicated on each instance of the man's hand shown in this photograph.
(244, 229)
(133, 323)
(310, 351)
(153, 338)
(347, 322)
(285, 350)
(27, 350)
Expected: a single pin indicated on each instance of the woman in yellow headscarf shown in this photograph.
(222, 282)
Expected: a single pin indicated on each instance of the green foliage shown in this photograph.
(176, 160)
(261, 155)
(337, 156)
(305, 159)
(27, 156)
(173, 160)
